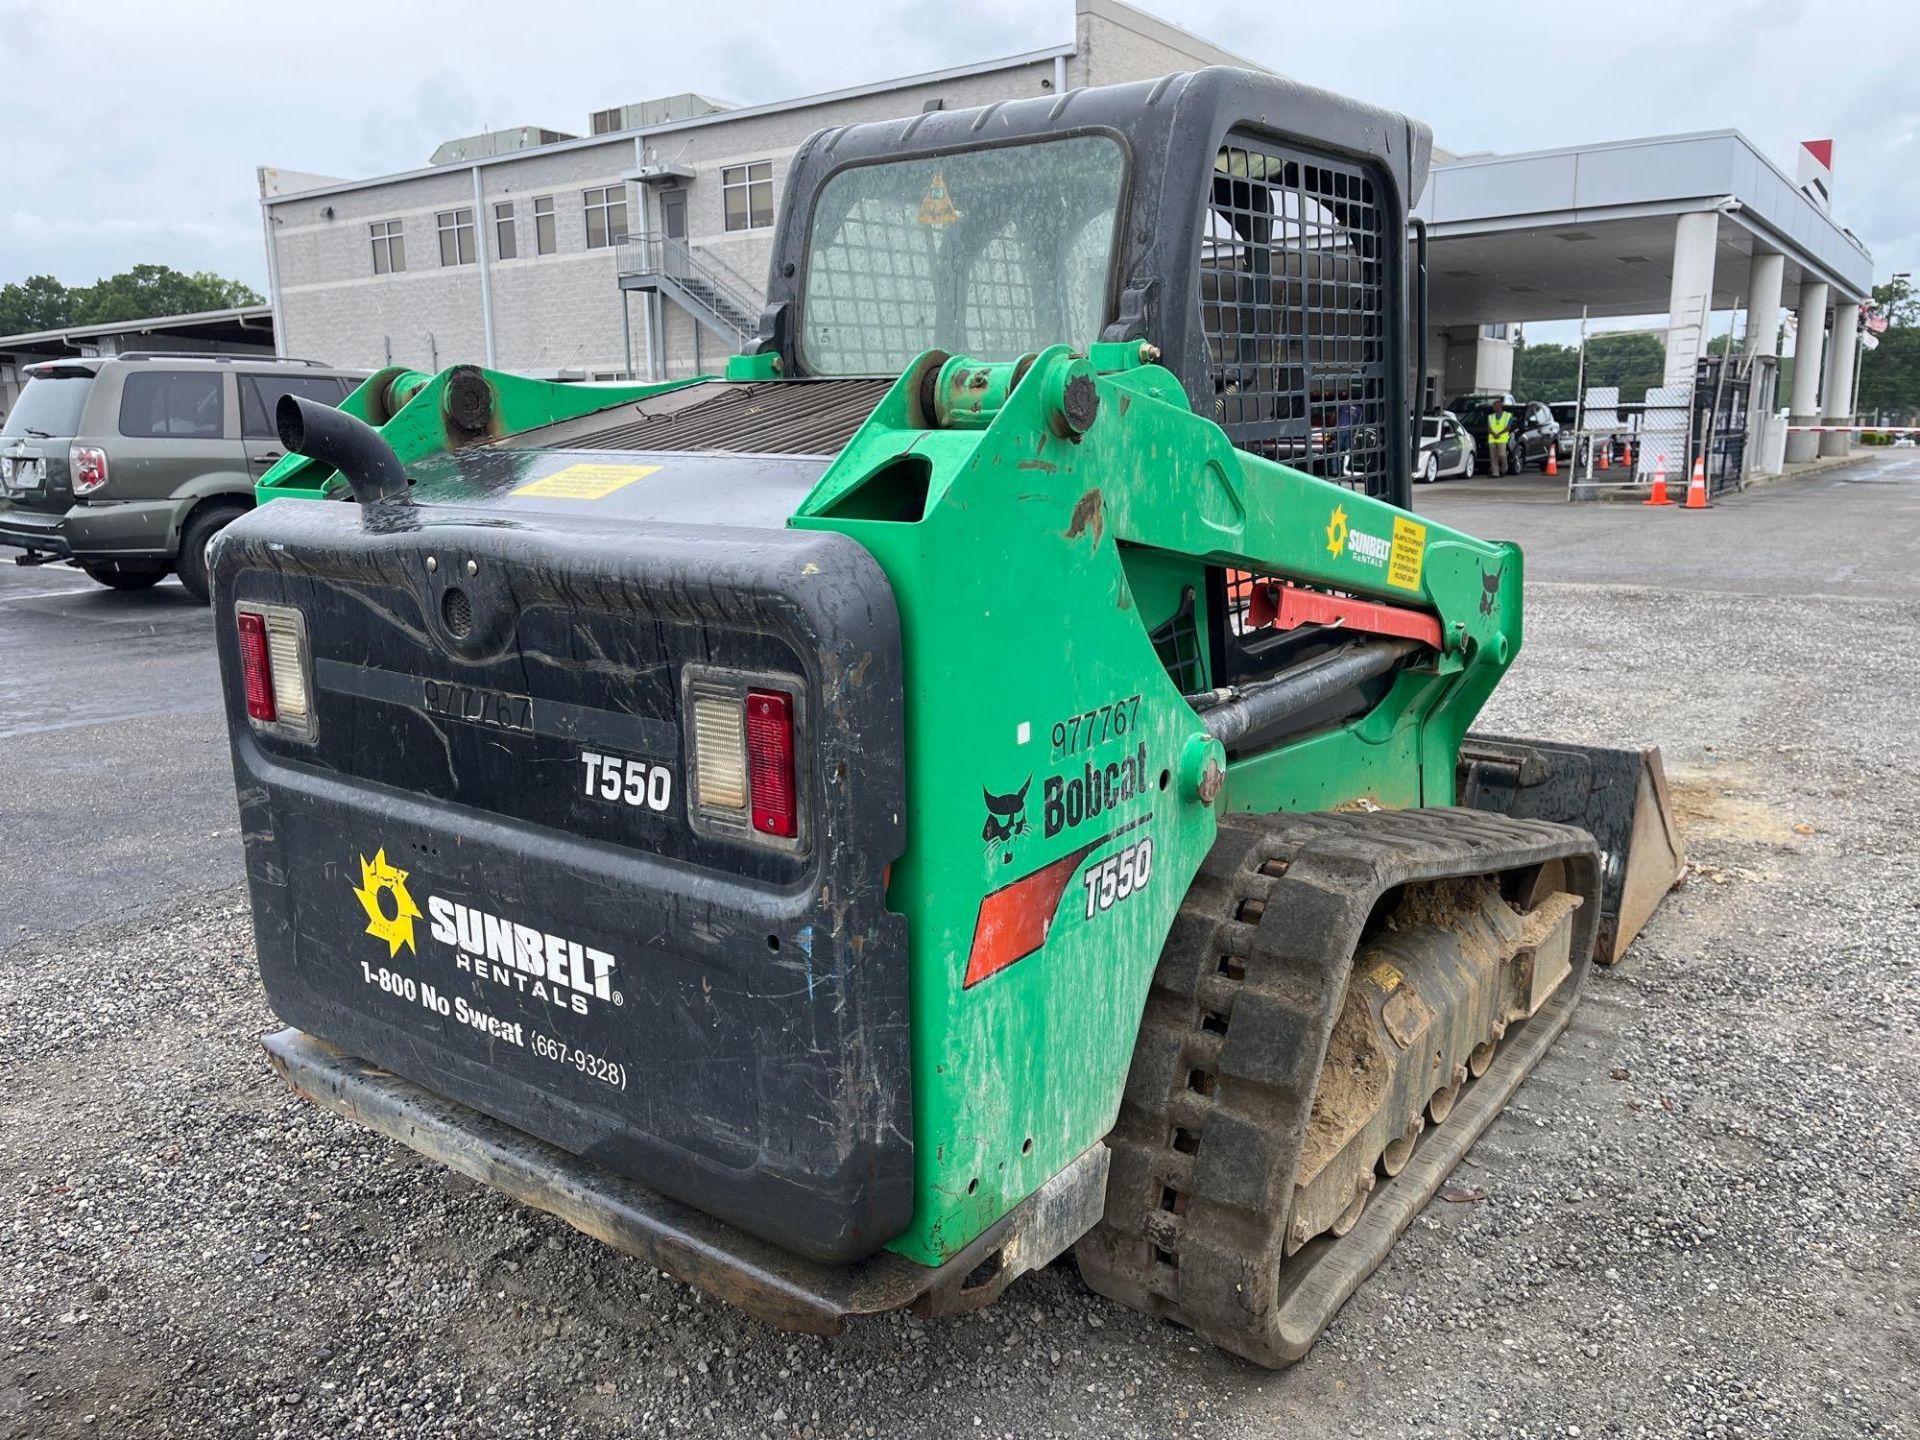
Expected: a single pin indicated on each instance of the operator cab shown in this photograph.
(1267, 268)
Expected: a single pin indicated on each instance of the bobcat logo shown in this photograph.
(1006, 818)
(1490, 589)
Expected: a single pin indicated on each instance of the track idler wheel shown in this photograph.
(1440, 1103)
(1394, 1158)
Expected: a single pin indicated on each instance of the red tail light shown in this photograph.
(770, 762)
(86, 468)
(256, 667)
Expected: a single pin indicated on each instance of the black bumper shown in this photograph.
(765, 1280)
(35, 531)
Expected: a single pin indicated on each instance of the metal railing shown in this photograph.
(742, 286)
(702, 278)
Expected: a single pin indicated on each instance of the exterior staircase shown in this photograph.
(706, 287)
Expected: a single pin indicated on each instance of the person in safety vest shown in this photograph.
(1499, 432)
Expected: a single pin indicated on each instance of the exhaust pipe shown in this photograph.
(350, 446)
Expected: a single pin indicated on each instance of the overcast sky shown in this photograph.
(133, 129)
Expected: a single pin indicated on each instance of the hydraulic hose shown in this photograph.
(1254, 706)
(351, 446)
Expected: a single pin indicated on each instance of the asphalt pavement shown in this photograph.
(1853, 533)
(115, 794)
(1698, 1218)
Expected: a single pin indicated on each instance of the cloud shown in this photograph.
(27, 227)
(376, 87)
(25, 27)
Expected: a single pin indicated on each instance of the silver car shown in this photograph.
(1446, 449)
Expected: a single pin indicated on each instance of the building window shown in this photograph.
(605, 122)
(456, 236)
(1496, 331)
(544, 242)
(506, 245)
(746, 192)
(389, 247)
(606, 216)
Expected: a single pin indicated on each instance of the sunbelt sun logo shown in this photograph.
(1342, 538)
(382, 893)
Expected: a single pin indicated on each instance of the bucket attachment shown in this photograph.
(1618, 796)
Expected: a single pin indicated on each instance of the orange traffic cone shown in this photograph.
(1603, 456)
(1553, 461)
(1659, 496)
(1697, 488)
(1626, 453)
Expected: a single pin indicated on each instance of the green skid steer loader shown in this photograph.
(980, 780)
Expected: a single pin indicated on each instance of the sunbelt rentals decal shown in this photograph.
(498, 950)
(1401, 558)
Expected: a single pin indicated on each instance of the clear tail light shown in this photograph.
(720, 750)
(275, 667)
(86, 468)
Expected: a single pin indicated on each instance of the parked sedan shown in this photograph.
(1446, 449)
(1566, 413)
(1534, 432)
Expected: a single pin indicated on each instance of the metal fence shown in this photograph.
(1716, 417)
(1730, 392)
(1620, 445)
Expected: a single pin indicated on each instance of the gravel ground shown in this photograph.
(1698, 1218)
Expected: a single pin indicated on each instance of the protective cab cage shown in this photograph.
(1260, 246)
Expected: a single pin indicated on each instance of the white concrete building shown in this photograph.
(632, 251)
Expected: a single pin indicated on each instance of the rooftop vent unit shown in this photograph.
(497, 142)
(648, 113)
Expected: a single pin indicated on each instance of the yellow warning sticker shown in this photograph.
(585, 482)
(937, 208)
(1409, 553)
(1386, 977)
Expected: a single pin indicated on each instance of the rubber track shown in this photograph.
(1236, 1028)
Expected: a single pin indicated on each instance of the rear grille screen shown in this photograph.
(1295, 307)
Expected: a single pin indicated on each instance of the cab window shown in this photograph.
(162, 405)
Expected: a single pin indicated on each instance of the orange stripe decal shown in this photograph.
(1014, 920)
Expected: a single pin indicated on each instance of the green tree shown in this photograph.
(1890, 375)
(1545, 372)
(149, 290)
(39, 302)
(1633, 361)
(1897, 301)
(1890, 372)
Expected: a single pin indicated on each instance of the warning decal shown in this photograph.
(937, 209)
(1409, 552)
(585, 481)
